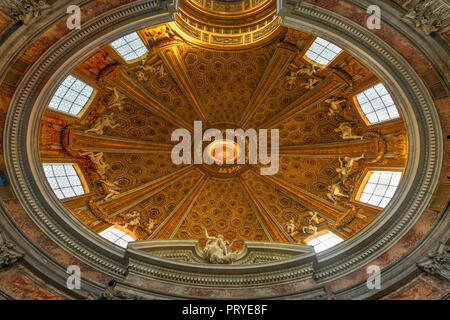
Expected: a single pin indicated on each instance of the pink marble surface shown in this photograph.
(422, 287)
(49, 246)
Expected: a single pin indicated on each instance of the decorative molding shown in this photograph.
(253, 252)
(437, 263)
(109, 258)
(425, 152)
(427, 15)
(347, 257)
(111, 293)
(8, 253)
(25, 11)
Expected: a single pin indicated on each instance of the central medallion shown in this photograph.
(223, 151)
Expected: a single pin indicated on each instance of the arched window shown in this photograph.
(324, 241)
(64, 180)
(322, 51)
(116, 236)
(380, 188)
(71, 96)
(377, 105)
(130, 47)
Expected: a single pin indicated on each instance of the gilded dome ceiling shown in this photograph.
(225, 149)
(121, 142)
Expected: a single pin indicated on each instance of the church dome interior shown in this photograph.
(240, 148)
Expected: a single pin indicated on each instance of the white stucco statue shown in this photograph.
(335, 105)
(113, 189)
(100, 127)
(217, 250)
(346, 131)
(335, 192)
(347, 166)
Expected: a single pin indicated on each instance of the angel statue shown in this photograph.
(346, 131)
(113, 189)
(310, 223)
(335, 104)
(117, 100)
(290, 226)
(99, 128)
(345, 170)
(100, 163)
(335, 192)
(217, 250)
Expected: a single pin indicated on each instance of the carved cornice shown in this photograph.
(76, 140)
(437, 263)
(8, 253)
(427, 15)
(227, 25)
(405, 212)
(25, 11)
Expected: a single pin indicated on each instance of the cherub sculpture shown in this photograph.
(346, 131)
(143, 73)
(292, 75)
(117, 100)
(113, 189)
(97, 159)
(347, 166)
(348, 217)
(335, 192)
(335, 105)
(150, 225)
(217, 250)
(100, 127)
(310, 222)
(134, 219)
(310, 83)
(290, 226)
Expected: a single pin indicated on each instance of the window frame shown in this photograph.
(121, 230)
(317, 64)
(135, 59)
(320, 234)
(367, 173)
(363, 116)
(79, 172)
(86, 105)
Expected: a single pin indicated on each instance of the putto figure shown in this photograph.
(217, 250)
(310, 222)
(290, 226)
(335, 105)
(347, 166)
(100, 127)
(113, 189)
(336, 192)
(345, 129)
